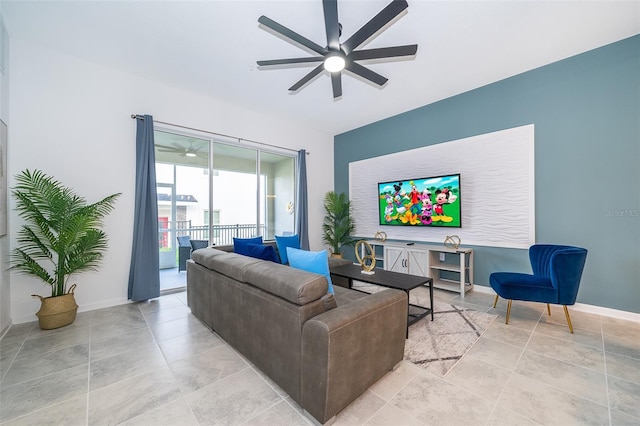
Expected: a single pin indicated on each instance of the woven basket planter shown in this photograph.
(58, 311)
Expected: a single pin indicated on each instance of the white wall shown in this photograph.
(5, 287)
(71, 119)
(497, 188)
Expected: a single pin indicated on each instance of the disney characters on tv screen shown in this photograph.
(432, 201)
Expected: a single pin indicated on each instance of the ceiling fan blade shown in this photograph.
(384, 52)
(336, 84)
(304, 80)
(331, 24)
(363, 72)
(376, 23)
(290, 61)
(291, 35)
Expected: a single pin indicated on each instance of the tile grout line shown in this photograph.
(579, 366)
(155, 341)
(451, 301)
(247, 366)
(554, 386)
(167, 365)
(495, 406)
(10, 364)
(12, 361)
(27, 334)
(368, 419)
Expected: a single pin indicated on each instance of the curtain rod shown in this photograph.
(140, 117)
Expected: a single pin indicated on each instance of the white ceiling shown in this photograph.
(210, 47)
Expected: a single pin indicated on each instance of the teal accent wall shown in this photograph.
(586, 112)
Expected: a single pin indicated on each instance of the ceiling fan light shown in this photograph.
(334, 63)
(190, 154)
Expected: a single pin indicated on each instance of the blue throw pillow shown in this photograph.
(284, 242)
(310, 261)
(240, 244)
(264, 252)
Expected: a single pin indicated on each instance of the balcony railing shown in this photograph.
(221, 234)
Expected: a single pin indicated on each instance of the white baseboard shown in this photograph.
(82, 308)
(581, 307)
(103, 304)
(483, 289)
(5, 329)
(606, 312)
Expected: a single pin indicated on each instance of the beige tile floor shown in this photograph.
(155, 364)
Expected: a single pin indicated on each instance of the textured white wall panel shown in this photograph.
(496, 188)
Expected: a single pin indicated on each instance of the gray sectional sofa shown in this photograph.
(324, 351)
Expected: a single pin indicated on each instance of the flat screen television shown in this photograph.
(431, 202)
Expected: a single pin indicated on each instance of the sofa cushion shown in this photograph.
(240, 245)
(345, 296)
(204, 256)
(264, 252)
(311, 261)
(294, 285)
(230, 264)
(286, 241)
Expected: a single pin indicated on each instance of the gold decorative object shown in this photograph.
(380, 236)
(452, 241)
(368, 261)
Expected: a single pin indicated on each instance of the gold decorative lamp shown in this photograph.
(367, 260)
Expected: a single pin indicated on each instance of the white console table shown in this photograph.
(451, 269)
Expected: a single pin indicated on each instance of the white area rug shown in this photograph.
(438, 345)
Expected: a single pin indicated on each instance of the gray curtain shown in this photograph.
(144, 272)
(301, 210)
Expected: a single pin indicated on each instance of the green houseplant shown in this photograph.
(61, 236)
(338, 224)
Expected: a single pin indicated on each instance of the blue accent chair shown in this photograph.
(556, 278)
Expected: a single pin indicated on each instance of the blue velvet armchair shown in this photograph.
(556, 278)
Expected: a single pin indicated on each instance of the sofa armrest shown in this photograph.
(349, 348)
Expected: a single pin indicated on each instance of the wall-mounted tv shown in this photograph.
(432, 201)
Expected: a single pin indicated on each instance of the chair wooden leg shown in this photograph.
(548, 309)
(508, 311)
(566, 314)
(495, 302)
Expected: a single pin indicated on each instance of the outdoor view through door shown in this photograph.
(210, 191)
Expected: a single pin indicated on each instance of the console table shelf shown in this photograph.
(451, 269)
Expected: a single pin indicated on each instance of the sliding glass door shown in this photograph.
(234, 190)
(212, 190)
(182, 177)
(278, 194)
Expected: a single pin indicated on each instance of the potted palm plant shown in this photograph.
(61, 236)
(338, 224)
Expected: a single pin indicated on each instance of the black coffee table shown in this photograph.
(390, 279)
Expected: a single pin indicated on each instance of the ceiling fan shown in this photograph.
(336, 56)
(177, 148)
